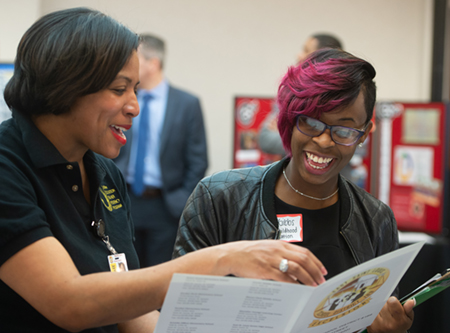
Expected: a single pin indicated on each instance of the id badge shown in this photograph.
(118, 262)
(290, 227)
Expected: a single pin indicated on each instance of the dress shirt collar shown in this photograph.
(159, 91)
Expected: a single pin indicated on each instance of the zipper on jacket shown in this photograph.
(350, 247)
(277, 234)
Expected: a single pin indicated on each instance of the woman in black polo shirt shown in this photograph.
(64, 210)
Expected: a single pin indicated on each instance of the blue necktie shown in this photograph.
(138, 185)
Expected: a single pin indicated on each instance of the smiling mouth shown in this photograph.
(318, 162)
(118, 130)
(119, 133)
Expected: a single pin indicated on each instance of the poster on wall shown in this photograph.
(6, 71)
(411, 171)
(250, 114)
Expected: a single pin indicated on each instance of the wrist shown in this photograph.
(215, 260)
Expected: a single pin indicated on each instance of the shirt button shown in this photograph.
(69, 167)
(75, 188)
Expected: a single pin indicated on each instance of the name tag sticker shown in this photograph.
(291, 227)
(118, 262)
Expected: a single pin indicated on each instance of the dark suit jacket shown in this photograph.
(183, 153)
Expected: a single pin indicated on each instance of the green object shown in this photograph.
(433, 286)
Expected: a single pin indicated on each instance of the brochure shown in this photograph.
(348, 302)
(432, 287)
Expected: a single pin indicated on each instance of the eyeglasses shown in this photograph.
(341, 135)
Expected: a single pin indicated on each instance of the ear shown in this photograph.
(154, 64)
(369, 128)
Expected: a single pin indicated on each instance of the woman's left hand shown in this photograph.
(393, 317)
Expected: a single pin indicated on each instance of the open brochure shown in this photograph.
(432, 287)
(348, 302)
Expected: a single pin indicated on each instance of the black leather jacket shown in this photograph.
(239, 205)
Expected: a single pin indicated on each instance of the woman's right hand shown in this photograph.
(261, 259)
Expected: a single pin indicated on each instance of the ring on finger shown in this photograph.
(284, 265)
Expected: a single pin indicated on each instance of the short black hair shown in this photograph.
(152, 47)
(65, 55)
(327, 40)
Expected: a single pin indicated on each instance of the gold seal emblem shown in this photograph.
(350, 296)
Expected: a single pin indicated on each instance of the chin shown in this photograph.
(112, 153)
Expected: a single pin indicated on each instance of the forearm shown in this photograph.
(53, 286)
(139, 291)
(46, 277)
(142, 324)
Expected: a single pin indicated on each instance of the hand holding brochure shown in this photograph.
(348, 302)
(433, 286)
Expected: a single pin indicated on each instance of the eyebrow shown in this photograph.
(123, 77)
(347, 119)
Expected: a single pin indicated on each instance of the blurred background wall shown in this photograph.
(221, 49)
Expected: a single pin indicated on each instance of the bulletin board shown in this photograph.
(249, 115)
(413, 147)
(6, 71)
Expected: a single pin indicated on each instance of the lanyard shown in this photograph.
(100, 229)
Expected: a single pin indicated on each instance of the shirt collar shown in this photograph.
(42, 152)
(158, 91)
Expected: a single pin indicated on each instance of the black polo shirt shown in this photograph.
(41, 195)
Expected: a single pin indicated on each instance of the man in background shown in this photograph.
(165, 155)
(269, 139)
(317, 42)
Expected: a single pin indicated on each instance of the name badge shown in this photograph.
(290, 227)
(118, 262)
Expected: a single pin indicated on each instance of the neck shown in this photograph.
(55, 130)
(301, 194)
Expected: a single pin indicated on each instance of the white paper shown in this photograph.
(349, 301)
(412, 165)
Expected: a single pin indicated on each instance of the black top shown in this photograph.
(321, 235)
(42, 196)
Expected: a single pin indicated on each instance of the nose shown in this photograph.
(132, 106)
(324, 140)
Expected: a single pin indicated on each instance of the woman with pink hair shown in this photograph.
(326, 104)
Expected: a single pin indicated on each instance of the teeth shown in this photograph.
(119, 128)
(319, 160)
(316, 167)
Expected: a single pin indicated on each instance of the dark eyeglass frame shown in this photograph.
(330, 127)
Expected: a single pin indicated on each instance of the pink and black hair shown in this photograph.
(327, 80)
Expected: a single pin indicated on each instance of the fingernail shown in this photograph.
(414, 301)
(324, 271)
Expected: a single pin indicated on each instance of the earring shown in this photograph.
(360, 145)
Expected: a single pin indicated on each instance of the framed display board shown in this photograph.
(249, 115)
(6, 71)
(412, 149)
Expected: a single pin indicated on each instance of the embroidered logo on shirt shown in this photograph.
(109, 199)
